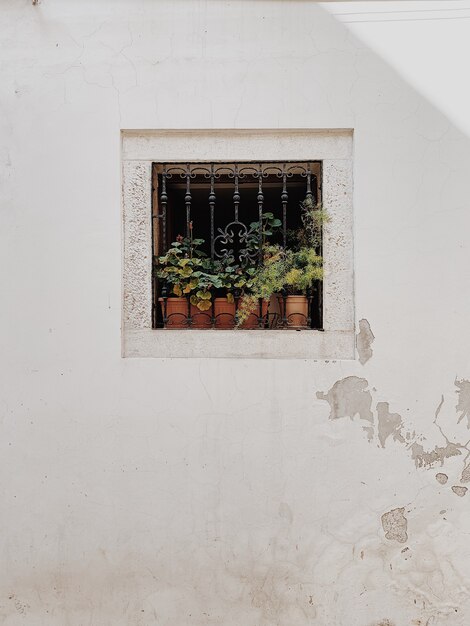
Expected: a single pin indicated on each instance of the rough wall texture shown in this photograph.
(215, 492)
(137, 281)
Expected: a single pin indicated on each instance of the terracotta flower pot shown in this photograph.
(176, 312)
(201, 319)
(251, 321)
(296, 311)
(224, 313)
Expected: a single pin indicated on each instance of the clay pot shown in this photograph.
(176, 312)
(296, 311)
(251, 321)
(201, 319)
(224, 313)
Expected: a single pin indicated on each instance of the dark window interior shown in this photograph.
(174, 221)
(224, 208)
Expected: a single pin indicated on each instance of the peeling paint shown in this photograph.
(463, 405)
(442, 478)
(389, 424)
(465, 477)
(438, 455)
(364, 339)
(460, 491)
(349, 397)
(395, 525)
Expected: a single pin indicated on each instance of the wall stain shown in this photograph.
(389, 424)
(364, 339)
(465, 477)
(438, 455)
(349, 397)
(395, 525)
(463, 405)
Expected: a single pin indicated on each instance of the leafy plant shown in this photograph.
(269, 278)
(270, 225)
(294, 269)
(303, 267)
(186, 268)
(188, 271)
(233, 277)
(309, 235)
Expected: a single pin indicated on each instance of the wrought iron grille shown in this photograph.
(219, 202)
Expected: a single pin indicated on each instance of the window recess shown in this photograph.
(214, 226)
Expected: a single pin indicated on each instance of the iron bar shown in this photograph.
(187, 199)
(163, 202)
(212, 211)
(236, 298)
(155, 238)
(260, 313)
(284, 308)
(236, 194)
(309, 294)
(213, 320)
(317, 310)
(284, 199)
(189, 318)
(309, 195)
(260, 198)
(165, 298)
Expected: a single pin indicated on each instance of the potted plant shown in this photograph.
(187, 273)
(303, 267)
(236, 281)
(290, 272)
(304, 264)
(268, 279)
(236, 276)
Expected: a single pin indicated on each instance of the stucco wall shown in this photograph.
(225, 492)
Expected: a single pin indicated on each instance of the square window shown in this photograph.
(207, 190)
(220, 219)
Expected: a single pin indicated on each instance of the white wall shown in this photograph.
(218, 492)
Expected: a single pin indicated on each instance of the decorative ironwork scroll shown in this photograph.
(237, 241)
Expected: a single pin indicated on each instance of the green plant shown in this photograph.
(304, 266)
(233, 277)
(188, 271)
(309, 234)
(268, 278)
(294, 269)
(270, 225)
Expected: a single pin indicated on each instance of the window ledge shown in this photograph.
(239, 344)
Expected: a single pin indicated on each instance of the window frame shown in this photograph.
(334, 148)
